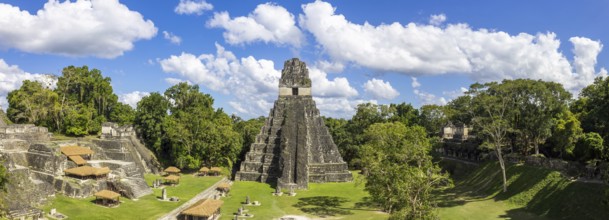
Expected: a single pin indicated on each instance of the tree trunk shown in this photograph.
(502, 165)
(536, 147)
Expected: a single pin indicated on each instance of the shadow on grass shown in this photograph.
(323, 206)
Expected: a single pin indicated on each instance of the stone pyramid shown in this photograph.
(294, 146)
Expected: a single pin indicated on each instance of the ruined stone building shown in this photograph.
(294, 146)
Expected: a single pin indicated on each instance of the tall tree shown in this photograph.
(493, 105)
(399, 171)
(592, 107)
(34, 103)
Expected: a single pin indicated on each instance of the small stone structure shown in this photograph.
(112, 130)
(294, 146)
(452, 132)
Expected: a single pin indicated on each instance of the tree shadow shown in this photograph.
(323, 206)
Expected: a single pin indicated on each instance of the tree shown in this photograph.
(566, 133)
(590, 146)
(592, 107)
(535, 104)
(184, 130)
(33, 103)
(432, 118)
(122, 114)
(492, 112)
(149, 116)
(399, 171)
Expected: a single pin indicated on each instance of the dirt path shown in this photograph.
(208, 193)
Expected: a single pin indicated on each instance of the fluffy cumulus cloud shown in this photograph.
(380, 89)
(132, 98)
(174, 39)
(426, 98)
(100, 28)
(421, 49)
(437, 19)
(193, 7)
(252, 82)
(268, 23)
(339, 107)
(11, 78)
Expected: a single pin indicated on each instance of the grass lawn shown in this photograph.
(533, 193)
(147, 207)
(331, 200)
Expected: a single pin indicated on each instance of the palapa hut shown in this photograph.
(172, 171)
(107, 198)
(77, 154)
(206, 209)
(203, 171)
(215, 171)
(171, 179)
(223, 187)
(85, 172)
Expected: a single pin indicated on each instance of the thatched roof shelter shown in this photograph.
(172, 179)
(206, 208)
(172, 169)
(215, 170)
(75, 151)
(107, 197)
(78, 160)
(223, 187)
(204, 170)
(107, 194)
(84, 171)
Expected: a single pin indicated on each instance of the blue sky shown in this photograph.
(419, 52)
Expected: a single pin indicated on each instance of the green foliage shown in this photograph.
(433, 118)
(122, 114)
(592, 106)
(566, 132)
(399, 171)
(184, 130)
(590, 146)
(82, 101)
(33, 103)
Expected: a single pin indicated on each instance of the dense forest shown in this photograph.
(391, 144)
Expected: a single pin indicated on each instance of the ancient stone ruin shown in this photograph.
(294, 146)
(38, 166)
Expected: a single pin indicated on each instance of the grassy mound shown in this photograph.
(535, 190)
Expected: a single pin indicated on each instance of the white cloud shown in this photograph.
(100, 28)
(252, 82)
(426, 98)
(339, 107)
(380, 89)
(11, 78)
(268, 23)
(322, 86)
(193, 7)
(453, 94)
(174, 39)
(132, 98)
(174, 81)
(415, 83)
(330, 67)
(418, 49)
(437, 20)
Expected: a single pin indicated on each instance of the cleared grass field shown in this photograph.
(533, 193)
(327, 200)
(147, 207)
